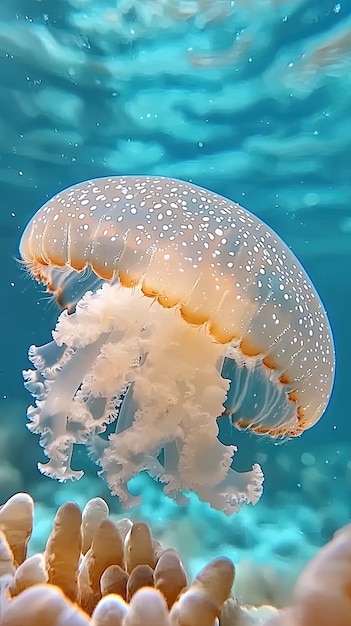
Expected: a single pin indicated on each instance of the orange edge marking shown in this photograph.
(39, 261)
(103, 272)
(127, 280)
(275, 433)
(292, 395)
(167, 302)
(149, 292)
(269, 362)
(284, 379)
(57, 262)
(193, 317)
(220, 334)
(248, 348)
(76, 265)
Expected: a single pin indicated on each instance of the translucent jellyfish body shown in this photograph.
(180, 309)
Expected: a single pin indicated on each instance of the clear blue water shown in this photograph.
(250, 99)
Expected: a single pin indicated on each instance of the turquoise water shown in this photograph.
(249, 99)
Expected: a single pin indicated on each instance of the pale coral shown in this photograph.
(322, 594)
(122, 561)
(127, 578)
(63, 549)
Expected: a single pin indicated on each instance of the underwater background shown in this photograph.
(250, 99)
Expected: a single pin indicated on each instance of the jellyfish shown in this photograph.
(179, 309)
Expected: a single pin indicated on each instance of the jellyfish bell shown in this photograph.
(180, 308)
